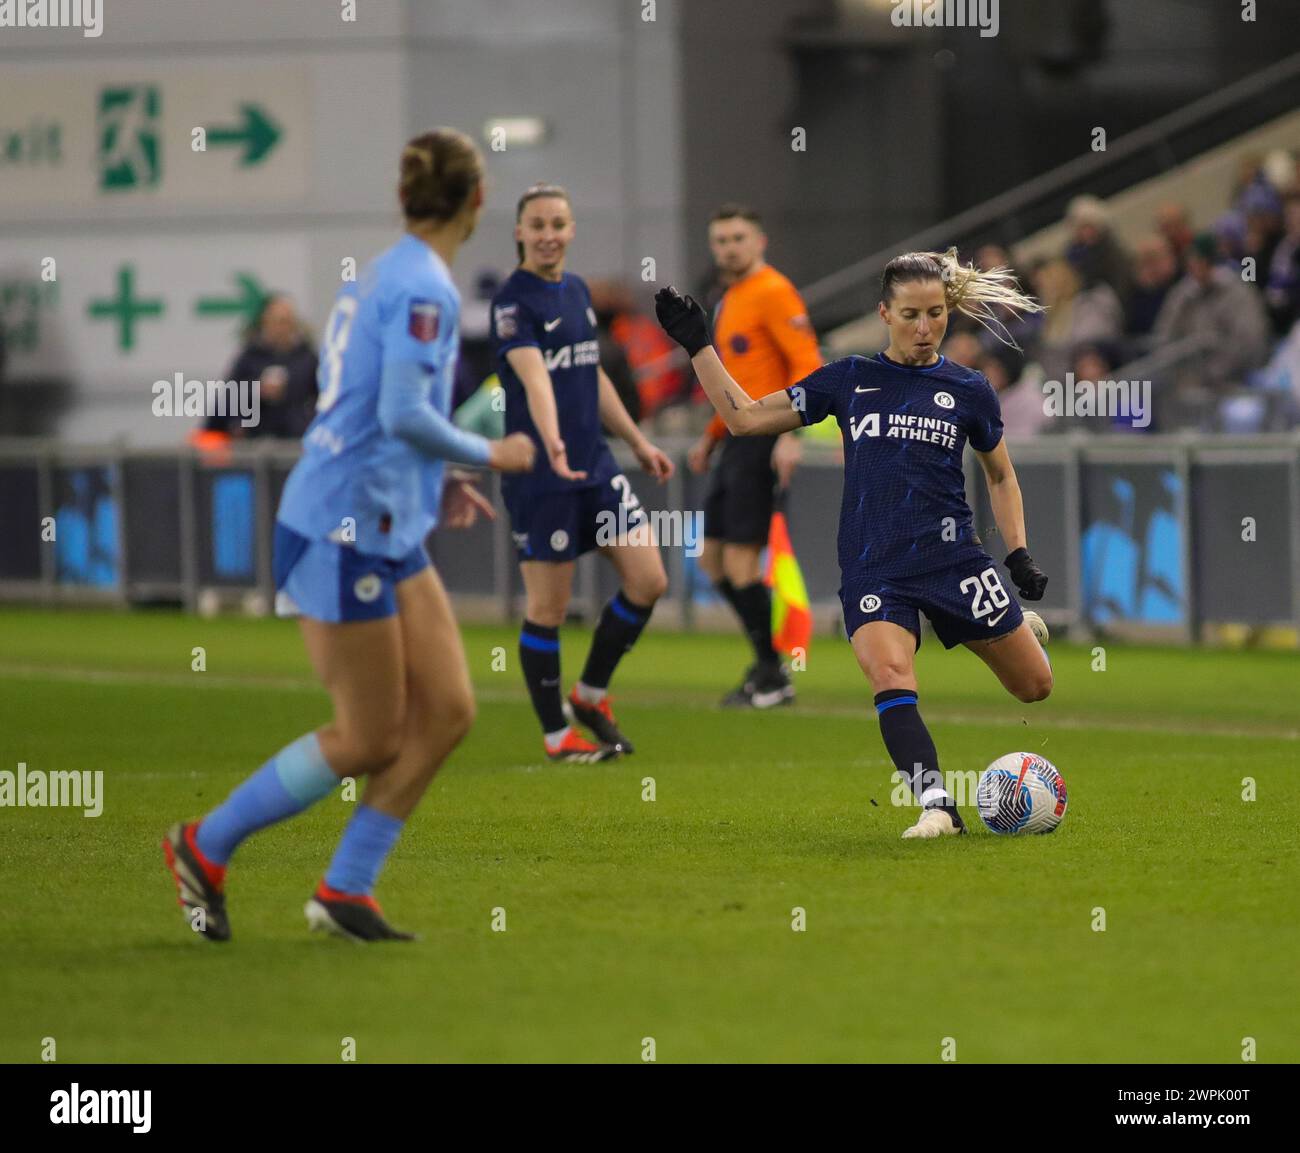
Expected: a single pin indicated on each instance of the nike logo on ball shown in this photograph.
(552, 325)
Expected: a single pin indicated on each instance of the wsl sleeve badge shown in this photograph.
(504, 319)
(422, 320)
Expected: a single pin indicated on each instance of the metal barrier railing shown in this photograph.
(1140, 533)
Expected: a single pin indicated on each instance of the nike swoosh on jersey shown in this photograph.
(994, 620)
(861, 389)
(552, 325)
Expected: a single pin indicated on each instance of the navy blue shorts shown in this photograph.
(333, 582)
(561, 526)
(967, 602)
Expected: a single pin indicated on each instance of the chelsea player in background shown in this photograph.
(544, 338)
(906, 543)
(349, 560)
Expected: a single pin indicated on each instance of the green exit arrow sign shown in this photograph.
(258, 134)
(245, 305)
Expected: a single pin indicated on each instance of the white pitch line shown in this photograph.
(940, 716)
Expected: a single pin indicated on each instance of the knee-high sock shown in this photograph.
(753, 604)
(911, 747)
(621, 622)
(539, 655)
(727, 591)
(292, 780)
(362, 851)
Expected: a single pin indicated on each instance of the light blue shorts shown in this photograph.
(333, 582)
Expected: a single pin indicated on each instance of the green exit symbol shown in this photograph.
(130, 154)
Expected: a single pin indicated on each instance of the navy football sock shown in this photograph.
(911, 748)
(539, 654)
(620, 624)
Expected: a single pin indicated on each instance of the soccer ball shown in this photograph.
(1021, 793)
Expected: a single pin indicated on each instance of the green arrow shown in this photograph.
(259, 135)
(246, 305)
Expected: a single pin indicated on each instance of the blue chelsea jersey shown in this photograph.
(555, 317)
(405, 309)
(904, 509)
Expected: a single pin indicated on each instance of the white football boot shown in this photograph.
(1037, 626)
(933, 823)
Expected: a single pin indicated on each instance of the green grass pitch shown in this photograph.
(672, 919)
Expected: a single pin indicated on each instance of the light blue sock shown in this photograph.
(295, 778)
(361, 853)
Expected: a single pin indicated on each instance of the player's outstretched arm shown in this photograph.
(684, 320)
(405, 412)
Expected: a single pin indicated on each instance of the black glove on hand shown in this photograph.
(683, 319)
(1025, 575)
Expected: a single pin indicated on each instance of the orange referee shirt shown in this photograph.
(763, 336)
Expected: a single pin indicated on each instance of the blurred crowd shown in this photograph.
(1208, 317)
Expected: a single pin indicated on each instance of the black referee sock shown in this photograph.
(753, 603)
(911, 748)
(620, 624)
(727, 591)
(539, 655)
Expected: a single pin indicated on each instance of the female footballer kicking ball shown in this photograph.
(576, 500)
(349, 560)
(906, 544)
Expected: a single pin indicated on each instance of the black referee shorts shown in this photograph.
(738, 509)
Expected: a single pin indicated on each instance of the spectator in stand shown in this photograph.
(1261, 208)
(1155, 273)
(278, 354)
(1075, 315)
(1215, 303)
(1282, 280)
(1095, 253)
(991, 256)
(1020, 400)
(1229, 230)
(1281, 376)
(1095, 363)
(1281, 172)
(1172, 223)
(1252, 187)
